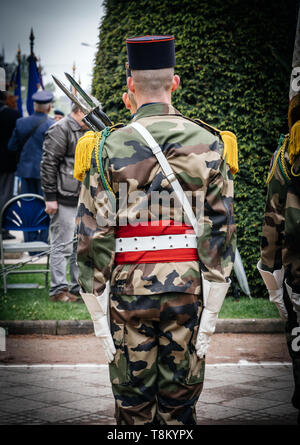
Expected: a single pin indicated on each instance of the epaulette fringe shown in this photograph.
(84, 149)
(230, 151)
(83, 153)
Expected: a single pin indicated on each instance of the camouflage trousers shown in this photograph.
(156, 375)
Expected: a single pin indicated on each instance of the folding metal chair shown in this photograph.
(24, 213)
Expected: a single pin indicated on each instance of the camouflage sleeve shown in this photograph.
(216, 245)
(95, 226)
(274, 220)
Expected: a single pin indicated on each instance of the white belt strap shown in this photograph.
(161, 242)
(166, 168)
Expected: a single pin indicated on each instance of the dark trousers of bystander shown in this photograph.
(6, 187)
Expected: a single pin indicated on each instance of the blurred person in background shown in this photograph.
(58, 115)
(27, 142)
(8, 164)
(61, 192)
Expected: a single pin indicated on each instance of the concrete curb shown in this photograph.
(250, 325)
(77, 327)
(47, 327)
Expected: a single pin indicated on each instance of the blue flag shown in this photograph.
(16, 83)
(18, 89)
(33, 82)
(40, 77)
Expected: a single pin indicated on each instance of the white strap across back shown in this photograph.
(168, 172)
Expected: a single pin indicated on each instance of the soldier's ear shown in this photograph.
(126, 101)
(175, 82)
(130, 84)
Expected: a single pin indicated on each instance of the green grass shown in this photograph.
(246, 308)
(35, 304)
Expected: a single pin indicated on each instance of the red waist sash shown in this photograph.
(155, 228)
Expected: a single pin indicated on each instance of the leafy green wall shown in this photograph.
(234, 61)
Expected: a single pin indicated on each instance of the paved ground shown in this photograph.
(233, 394)
(39, 383)
(224, 348)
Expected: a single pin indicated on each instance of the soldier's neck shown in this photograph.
(163, 98)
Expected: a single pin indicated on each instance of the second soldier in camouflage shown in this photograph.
(280, 244)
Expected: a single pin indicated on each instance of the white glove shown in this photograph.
(99, 314)
(295, 299)
(213, 297)
(273, 282)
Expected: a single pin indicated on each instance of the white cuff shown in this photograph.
(213, 295)
(216, 296)
(276, 296)
(273, 281)
(101, 324)
(92, 303)
(208, 322)
(103, 299)
(205, 289)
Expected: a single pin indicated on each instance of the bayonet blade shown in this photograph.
(82, 93)
(70, 95)
(105, 119)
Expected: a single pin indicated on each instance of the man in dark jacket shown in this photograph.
(8, 164)
(27, 140)
(61, 192)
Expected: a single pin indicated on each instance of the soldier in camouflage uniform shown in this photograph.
(280, 246)
(159, 332)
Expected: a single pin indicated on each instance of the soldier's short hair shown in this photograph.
(149, 81)
(42, 108)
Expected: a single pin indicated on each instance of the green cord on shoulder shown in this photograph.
(279, 159)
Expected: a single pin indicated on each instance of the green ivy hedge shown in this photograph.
(234, 61)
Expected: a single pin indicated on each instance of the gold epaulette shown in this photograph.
(84, 149)
(83, 153)
(230, 151)
(288, 144)
(294, 129)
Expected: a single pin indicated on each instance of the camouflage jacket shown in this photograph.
(195, 156)
(280, 241)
